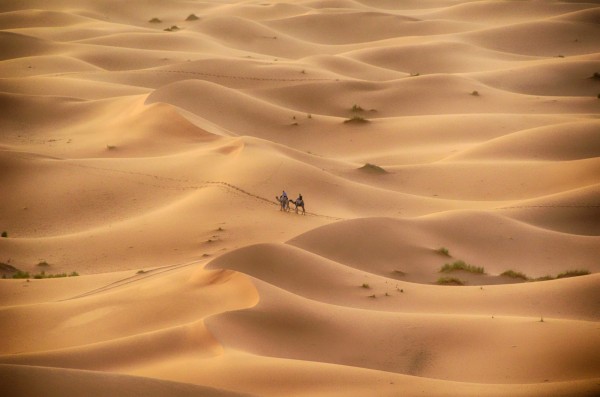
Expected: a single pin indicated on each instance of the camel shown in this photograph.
(298, 203)
(284, 203)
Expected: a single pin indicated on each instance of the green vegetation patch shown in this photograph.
(514, 274)
(461, 265)
(443, 251)
(449, 281)
(573, 273)
(21, 274)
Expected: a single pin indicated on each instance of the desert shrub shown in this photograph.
(573, 273)
(357, 120)
(43, 275)
(365, 285)
(155, 20)
(443, 251)
(449, 281)
(173, 28)
(475, 93)
(356, 108)
(21, 274)
(596, 75)
(4, 234)
(43, 264)
(461, 265)
(514, 274)
(373, 168)
(192, 17)
(543, 278)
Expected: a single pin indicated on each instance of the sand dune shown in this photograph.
(143, 146)
(408, 249)
(290, 327)
(39, 381)
(562, 142)
(559, 77)
(549, 38)
(450, 57)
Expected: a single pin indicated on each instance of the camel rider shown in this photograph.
(299, 200)
(284, 195)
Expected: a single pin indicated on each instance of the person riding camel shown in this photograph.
(283, 201)
(299, 202)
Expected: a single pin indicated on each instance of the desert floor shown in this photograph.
(143, 143)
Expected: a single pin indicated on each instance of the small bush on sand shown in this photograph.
(43, 274)
(173, 28)
(475, 93)
(461, 265)
(43, 264)
(356, 108)
(443, 251)
(192, 17)
(543, 278)
(449, 281)
(596, 75)
(373, 169)
(573, 273)
(155, 20)
(21, 274)
(365, 285)
(514, 274)
(356, 120)
(4, 234)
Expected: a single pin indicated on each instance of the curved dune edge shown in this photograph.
(44, 381)
(143, 145)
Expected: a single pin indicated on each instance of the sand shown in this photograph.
(143, 159)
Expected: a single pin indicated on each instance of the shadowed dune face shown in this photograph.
(448, 156)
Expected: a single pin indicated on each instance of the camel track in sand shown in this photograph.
(195, 186)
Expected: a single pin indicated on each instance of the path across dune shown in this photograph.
(447, 152)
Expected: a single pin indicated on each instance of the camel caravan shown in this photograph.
(284, 203)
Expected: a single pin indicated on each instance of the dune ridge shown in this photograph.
(143, 146)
